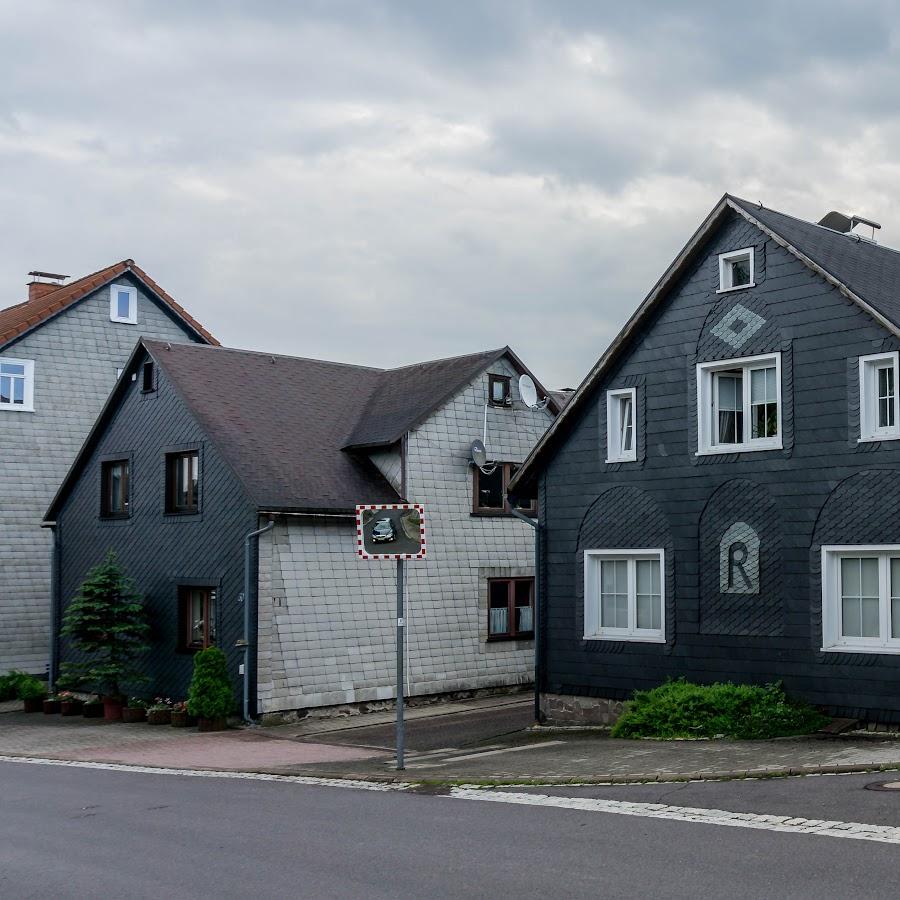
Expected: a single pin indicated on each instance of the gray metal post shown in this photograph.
(401, 628)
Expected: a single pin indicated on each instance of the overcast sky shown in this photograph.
(387, 182)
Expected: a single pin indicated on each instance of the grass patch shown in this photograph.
(679, 709)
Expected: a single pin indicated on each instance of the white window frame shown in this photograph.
(868, 397)
(28, 393)
(592, 628)
(614, 450)
(832, 639)
(114, 316)
(725, 284)
(708, 412)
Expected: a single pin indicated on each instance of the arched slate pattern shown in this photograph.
(759, 614)
(626, 518)
(862, 509)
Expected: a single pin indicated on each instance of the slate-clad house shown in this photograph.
(198, 447)
(721, 497)
(60, 352)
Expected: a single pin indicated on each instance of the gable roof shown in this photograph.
(283, 424)
(18, 320)
(865, 272)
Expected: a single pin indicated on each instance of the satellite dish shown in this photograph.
(480, 457)
(528, 391)
(837, 222)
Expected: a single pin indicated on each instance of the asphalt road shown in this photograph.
(82, 833)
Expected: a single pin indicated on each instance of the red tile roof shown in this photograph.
(18, 319)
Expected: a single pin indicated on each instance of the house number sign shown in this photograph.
(739, 560)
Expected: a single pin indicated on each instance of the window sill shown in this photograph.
(123, 321)
(506, 638)
(115, 517)
(863, 648)
(739, 448)
(876, 439)
(9, 407)
(181, 513)
(493, 513)
(610, 460)
(642, 639)
(740, 287)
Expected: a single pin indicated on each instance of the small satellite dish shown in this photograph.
(837, 222)
(479, 454)
(528, 391)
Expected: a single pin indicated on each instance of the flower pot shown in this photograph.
(51, 707)
(112, 708)
(217, 724)
(70, 707)
(159, 716)
(92, 710)
(34, 705)
(183, 720)
(131, 714)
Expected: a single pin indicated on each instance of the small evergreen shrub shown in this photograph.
(9, 684)
(211, 695)
(30, 688)
(107, 623)
(679, 709)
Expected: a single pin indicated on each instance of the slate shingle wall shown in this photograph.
(327, 618)
(777, 635)
(75, 360)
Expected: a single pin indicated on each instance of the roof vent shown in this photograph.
(845, 224)
(43, 283)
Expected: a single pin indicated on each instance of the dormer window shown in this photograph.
(123, 304)
(499, 390)
(736, 270)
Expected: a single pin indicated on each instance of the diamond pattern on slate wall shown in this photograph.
(738, 326)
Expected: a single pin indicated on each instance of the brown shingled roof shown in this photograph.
(23, 317)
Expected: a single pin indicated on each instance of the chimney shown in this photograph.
(43, 283)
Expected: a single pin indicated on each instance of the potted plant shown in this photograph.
(108, 625)
(181, 718)
(70, 704)
(31, 692)
(52, 705)
(135, 711)
(211, 697)
(9, 685)
(92, 708)
(159, 712)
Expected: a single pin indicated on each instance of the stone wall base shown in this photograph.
(568, 709)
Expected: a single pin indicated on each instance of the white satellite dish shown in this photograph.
(528, 391)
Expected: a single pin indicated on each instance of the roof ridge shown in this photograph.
(443, 359)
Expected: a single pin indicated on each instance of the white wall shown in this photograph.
(326, 618)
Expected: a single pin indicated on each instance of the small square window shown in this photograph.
(736, 270)
(123, 304)
(114, 489)
(621, 434)
(16, 384)
(499, 390)
(879, 404)
(182, 483)
(196, 618)
(510, 609)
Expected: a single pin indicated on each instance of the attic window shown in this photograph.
(147, 383)
(123, 304)
(499, 390)
(736, 270)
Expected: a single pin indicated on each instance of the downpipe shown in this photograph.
(245, 642)
(536, 525)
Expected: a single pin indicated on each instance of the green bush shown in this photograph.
(211, 695)
(9, 684)
(679, 709)
(31, 689)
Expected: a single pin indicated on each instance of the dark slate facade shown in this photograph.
(159, 551)
(823, 487)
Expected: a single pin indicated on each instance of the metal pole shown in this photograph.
(536, 525)
(245, 641)
(401, 628)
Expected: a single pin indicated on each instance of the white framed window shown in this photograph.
(621, 430)
(736, 270)
(624, 596)
(861, 598)
(879, 403)
(16, 384)
(123, 304)
(739, 405)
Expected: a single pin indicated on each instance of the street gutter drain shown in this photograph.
(883, 786)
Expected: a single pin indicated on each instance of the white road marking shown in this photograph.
(206, 773)
(490, 752)
(888, 834)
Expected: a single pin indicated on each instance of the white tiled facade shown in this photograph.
(327, 618)
(75, 357)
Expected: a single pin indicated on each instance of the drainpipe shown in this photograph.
(245, 642)
(538, 662)
(53, 657)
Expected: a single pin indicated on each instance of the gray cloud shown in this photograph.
(383, 182)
